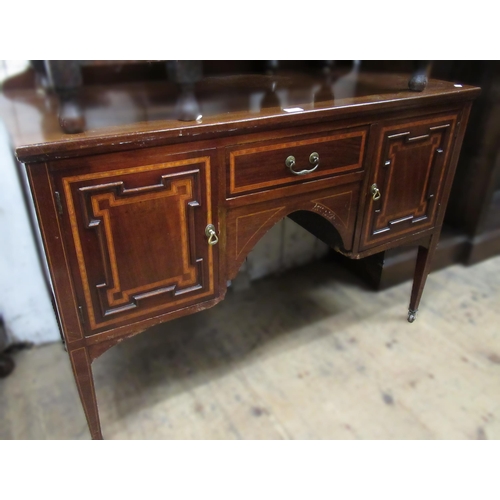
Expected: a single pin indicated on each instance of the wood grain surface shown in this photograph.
(124, 210)
(312, 354)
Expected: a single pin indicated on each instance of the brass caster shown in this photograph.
(411, 316)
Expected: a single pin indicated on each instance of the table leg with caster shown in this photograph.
(422, 268)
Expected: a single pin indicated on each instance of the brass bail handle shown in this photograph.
(313, 160)
(375, 192)
(211, 235)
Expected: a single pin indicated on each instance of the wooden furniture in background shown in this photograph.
(474, 207)
(145, 219)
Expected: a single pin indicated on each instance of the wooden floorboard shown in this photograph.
(311, 354)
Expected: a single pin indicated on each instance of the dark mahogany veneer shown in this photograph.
(124, 209)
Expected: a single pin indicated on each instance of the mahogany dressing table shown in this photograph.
(145, 218)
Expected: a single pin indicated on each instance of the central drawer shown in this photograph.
(264, 165)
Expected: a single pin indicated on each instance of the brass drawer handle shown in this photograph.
(211, 235)
(313, 160)
(375, 192)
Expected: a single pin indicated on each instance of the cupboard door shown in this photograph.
(407, 178)
(138, 239)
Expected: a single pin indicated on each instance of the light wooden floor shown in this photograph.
(312, 354)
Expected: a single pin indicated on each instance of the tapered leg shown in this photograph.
(67, 80)
(422, 268)
(185, 74)
(418, 80)
(81, 363)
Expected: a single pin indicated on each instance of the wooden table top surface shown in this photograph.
(132, 115)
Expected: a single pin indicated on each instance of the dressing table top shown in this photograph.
(135, 115)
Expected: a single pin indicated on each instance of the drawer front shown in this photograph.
(409, 172)
(262, 166)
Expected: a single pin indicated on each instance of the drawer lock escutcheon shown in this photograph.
(313, 160)
(211, 235)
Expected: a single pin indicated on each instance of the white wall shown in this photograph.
(24, 301)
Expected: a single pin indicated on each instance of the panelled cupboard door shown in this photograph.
(136, 237)
(407, 178)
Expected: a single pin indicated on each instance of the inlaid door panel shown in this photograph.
(138, 238)
(407, 179)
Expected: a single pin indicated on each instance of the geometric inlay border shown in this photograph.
(69, 181)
